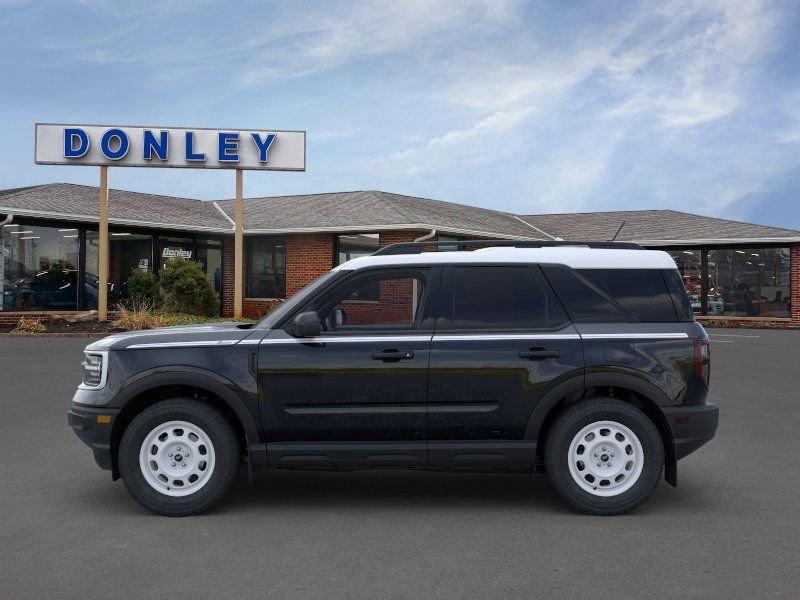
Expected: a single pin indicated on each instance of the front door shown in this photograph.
(358, 391)
(502, 342)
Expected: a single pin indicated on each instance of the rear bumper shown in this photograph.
(94, 432)
(692, 426)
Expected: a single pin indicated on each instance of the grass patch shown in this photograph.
(26, 325)
(143, 317)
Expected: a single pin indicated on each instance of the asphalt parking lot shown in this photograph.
(731, 529)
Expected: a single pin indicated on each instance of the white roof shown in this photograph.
(577, 257)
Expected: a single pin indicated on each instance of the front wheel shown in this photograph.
(179, 457)
(604, 456)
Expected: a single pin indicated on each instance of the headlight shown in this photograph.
(95, 367)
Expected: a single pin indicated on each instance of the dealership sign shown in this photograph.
(193, 148)
(176, 253)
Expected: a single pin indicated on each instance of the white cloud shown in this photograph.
(334, 35)
(476, 143)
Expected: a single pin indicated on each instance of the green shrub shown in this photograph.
(143, 289)
(186, 290)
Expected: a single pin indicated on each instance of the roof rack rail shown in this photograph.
(449, 245)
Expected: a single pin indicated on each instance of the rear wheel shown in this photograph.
(179, 457)
(604, 456)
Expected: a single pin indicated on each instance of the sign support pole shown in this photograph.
(103, 254)
(238, 255)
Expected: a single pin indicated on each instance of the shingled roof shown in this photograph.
(655, 227)
(374, 211)
(364, 211)
(79, 203)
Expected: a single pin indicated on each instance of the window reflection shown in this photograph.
(128, 251)
(690, 267)
(39, 268)
(354, 245)
(266, 267)
(749, 282)
(740, 282)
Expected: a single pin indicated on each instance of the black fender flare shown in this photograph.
(190, 376)
(656, 397)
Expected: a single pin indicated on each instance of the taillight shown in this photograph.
(702, 360)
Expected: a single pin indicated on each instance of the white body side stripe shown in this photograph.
(635, 336)
(469, 337)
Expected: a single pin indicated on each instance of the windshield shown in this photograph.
(280, 311)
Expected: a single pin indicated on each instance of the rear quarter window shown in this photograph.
(613, 295)
(642, 292)
(584, 302)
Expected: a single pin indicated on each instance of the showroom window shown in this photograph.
(748, 282)
(128, 251)
(209, 255)
(689, 263)
(354, 245)
(266, 267)
(738, 281)
(39, 267)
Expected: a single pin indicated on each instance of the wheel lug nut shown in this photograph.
(173, 464)
(183, 464)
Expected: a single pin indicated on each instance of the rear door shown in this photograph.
(502, 341)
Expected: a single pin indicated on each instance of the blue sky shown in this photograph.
(521, 106)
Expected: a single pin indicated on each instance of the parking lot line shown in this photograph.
(734, 335)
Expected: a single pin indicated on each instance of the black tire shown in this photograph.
(226, 451)
(570, 422)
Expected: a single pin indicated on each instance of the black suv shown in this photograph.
(583, 360)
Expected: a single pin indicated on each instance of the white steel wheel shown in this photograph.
(605, 458)
(177, 458)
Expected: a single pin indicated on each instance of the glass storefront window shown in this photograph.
(354, 245)
(209, 255)
(266, 267)
(39, 267)
(176, 247)
(128, 251)
(749, 282)
(690, 267)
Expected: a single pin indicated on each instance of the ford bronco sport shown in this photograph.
(580, 359)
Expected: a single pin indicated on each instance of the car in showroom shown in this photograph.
(578, 359)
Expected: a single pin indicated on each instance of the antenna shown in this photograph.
(618, 230)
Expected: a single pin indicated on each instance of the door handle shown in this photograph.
(538, 353)
(393, 355)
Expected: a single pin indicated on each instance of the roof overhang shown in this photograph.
(113, 221)
(275, 231)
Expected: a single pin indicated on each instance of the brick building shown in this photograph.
(737, 273)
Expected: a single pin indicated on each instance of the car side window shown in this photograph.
(498, 297)
(642, 292)
(386, 299)
(585, 302)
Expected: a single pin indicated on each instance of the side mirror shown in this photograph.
(306, 325)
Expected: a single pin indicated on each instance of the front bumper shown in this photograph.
(692, 426)
(93, 426)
